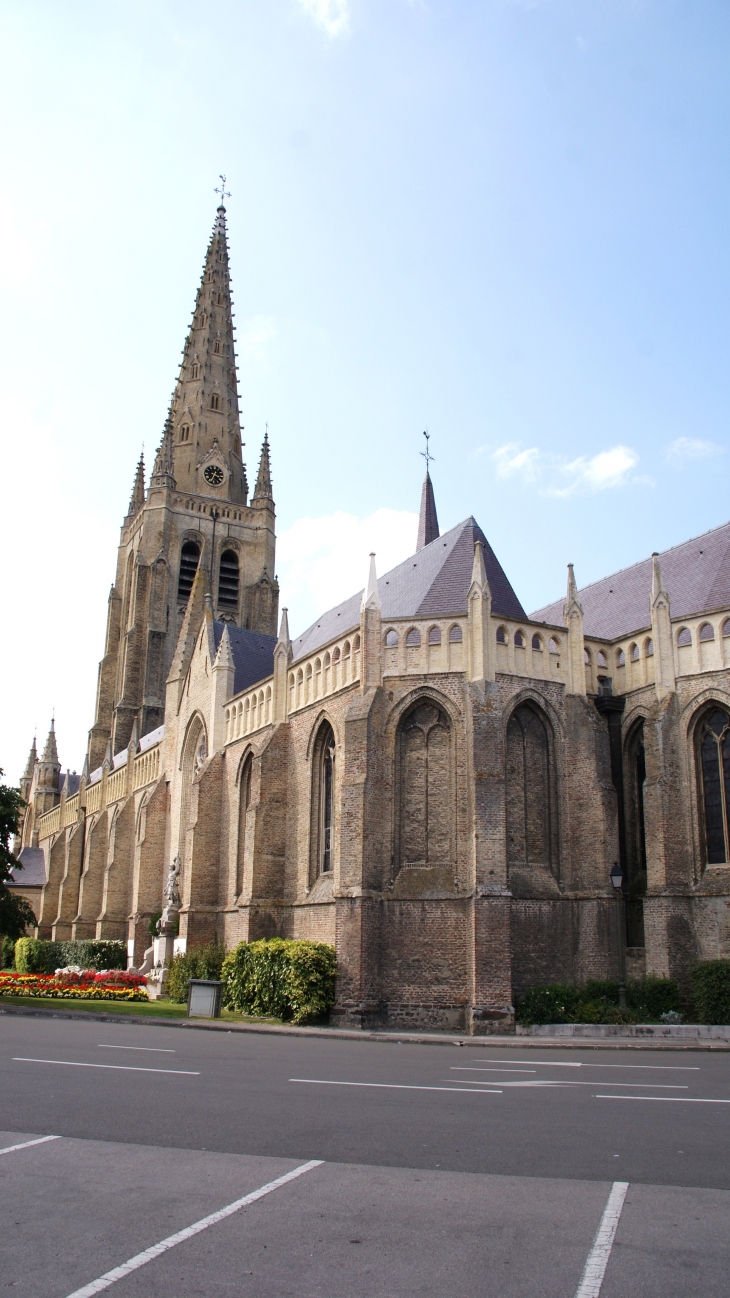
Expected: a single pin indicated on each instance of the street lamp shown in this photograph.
(617, 879)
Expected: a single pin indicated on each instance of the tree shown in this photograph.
(15, 913)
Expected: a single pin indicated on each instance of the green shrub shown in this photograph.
(198, 962)
(33, 955)
(7, 952)
(92, 953)
(646, 1000)
(711, 991)
(281, 978)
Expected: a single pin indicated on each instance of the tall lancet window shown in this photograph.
(323, 799)
(530, 792)
(189, 557)
(243, 806)
(228, 576)
(714, 755)
(425, 788)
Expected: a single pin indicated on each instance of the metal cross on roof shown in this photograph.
(224, 193)
(428, 457)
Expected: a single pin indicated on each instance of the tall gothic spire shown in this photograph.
(263, 489)
(428, 524)
(50, 752)
(137, 498)
(206, 429)
(30, 764)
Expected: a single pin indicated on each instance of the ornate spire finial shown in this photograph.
(428, 524)
(137, 498)
(224, 193)
(371, 595)
(263, 489)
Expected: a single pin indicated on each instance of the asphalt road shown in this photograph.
(438, 1170)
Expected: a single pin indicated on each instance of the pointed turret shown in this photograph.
(137, 498)
(573, 619)
(371, 594)
(479, 609)
(263, 489)
(665, 675)
(371, 650)
(428, 524)
(50, 752)
(26, 779)
(282, 658)
(163, 471)
(205, 401)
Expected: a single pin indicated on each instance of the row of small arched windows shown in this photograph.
(520, 641)
(706, 632)
(413, 637)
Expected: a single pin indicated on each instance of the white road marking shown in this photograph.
(149, 1254)
(676, 1099)
(152, 1050)
(390, 1086)
(557, 1063)
(544, 1081)
(597, 1260)
(124, 1068)
(466, 1068)
(27, 1143)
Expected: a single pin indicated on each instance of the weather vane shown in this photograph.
(224, 193)
(428, 457)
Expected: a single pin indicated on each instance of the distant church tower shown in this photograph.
(194, 514)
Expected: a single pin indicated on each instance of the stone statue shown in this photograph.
(172, 891)
(200, 757)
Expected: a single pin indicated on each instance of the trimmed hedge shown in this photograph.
(198, 962)
(33, 955)
(647, 999)
(281, 978)
(711, 991)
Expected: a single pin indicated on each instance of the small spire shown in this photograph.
(571, 599)
(428, 524)
(163, 473)
(657, 585)
(224, 656)
(108, 757)
(263, 489)
(371, 596)
(133, 744)
(50, 752)
(137, 498)
(284, 629)
(32, 759)
(479, 571)
(85, 770)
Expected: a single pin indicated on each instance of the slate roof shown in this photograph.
(33, 873)
(253, 654)
(696, 576)
(434, 582)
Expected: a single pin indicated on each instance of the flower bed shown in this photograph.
(86, 985)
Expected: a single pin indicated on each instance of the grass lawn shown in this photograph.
(150, 1009)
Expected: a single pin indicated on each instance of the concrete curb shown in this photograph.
(391, 1037)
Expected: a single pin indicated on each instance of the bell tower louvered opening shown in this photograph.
(189, 557)
(228, 580)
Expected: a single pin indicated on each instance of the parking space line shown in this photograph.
(467, 1068)
(124, 1068)
(150, 1050)
(558, 1063)
(26, 1144)
(552, 1081)
(597, 1260)
(669, 1099)
(149, 1254)
(391, 1086)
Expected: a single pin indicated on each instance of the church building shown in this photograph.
(428, 778)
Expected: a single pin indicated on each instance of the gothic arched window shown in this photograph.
(530, 794)
(323, 799)
(713, 746)
(228, 580)
(244, 802)
(425, 795)
(634, 779)
(189, 557)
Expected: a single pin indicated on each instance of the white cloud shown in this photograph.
(510, 460)
(606, 469)
(558, 476)
(683, 449)
(331, 16)
(321, 561)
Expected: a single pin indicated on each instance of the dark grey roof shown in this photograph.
(73, 783)
(253, 654)
(432, 583)
(33, 873)
(696, 576)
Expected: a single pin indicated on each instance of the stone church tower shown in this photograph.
(194, 515)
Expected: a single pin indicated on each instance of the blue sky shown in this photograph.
(503, 221)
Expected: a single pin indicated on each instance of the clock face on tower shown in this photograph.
(213, 475)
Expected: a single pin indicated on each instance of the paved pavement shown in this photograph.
(421, 1170)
